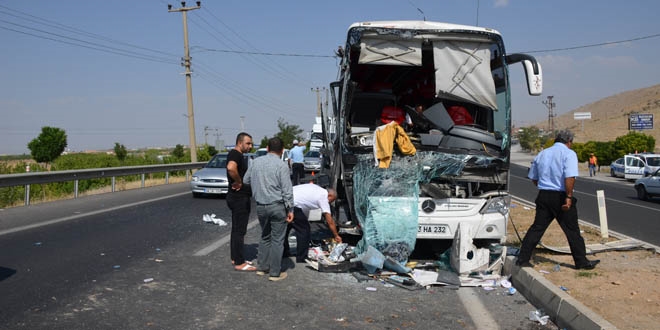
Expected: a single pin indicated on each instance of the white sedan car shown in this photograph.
(648, 186)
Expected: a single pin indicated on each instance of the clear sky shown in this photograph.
(138, 99)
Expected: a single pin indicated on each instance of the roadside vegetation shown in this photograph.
(47, 154)
(533, 140)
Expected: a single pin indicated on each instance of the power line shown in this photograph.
(592, 45)
(260, 53)
(255, 49)
(50, 23)
(142, 57)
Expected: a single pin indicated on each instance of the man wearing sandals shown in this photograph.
(238, 200)
(272, 190)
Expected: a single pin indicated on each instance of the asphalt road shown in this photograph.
(145, 260)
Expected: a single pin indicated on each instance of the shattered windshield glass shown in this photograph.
(386, 199)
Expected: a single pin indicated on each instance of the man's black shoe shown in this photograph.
(589, 265)
(524, 264)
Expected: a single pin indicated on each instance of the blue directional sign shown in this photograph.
(639, 121)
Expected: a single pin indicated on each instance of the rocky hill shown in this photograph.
(609, 116)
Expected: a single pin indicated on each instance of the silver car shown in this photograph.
(648, 186)
(212, 178)
(312, 162)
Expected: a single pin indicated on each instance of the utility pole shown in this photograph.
(206, 134)
(188, 73)
(551, 114)
(318, 100)
(242, 123)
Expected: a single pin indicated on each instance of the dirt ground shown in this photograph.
(624, 288)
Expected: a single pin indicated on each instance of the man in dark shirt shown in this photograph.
(238, 200)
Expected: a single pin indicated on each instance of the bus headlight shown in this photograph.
(499, 204)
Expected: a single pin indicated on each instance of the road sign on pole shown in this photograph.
(581, 116)
(640, 121)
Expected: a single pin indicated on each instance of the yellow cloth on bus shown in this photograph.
(384, 139)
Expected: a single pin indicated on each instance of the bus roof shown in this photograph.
(421, 25)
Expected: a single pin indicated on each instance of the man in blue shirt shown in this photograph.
(554, 171)
(297, 159)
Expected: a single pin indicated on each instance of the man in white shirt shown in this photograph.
(307, 197)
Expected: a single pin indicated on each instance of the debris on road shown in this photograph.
(210, 218)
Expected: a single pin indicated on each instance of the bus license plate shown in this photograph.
(434, 229)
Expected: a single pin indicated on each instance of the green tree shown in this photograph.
(264, 142)
(178, 152)
(634, 142)
(48, 145)
(288, 132)
(211, 150)
(120, 151)
(530, 138)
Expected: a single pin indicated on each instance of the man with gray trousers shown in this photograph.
(272, 190)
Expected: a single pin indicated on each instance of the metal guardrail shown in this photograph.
(26, 179)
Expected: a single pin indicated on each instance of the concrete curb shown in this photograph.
(563, 309)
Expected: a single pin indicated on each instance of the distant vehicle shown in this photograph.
(648, 186)
(316, 140)
(312, 161)
(640, 165)
(617, 168)
(212, 178)
(262, 151)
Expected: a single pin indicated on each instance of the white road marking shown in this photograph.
(606, 198)
(478, 312)
(77, 216)
(219, 243)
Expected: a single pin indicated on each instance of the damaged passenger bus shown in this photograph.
(422, 131)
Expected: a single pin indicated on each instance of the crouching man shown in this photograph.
(307, 197)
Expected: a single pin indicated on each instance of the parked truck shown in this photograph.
(447, 88)
(316, 138)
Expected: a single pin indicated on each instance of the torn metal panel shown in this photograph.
(620, 245)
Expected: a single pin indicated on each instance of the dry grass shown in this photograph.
(624, 288)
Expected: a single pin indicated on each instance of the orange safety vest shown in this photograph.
(593, 160)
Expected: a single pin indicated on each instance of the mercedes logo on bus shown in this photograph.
(428, 206)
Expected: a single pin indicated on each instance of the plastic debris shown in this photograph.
(544, 271)
(563, 288)
(37, 243)
(489, 288)
(147, 280)
(371, 288)
(556, 268)
(158, 260)
(387, 285)
(157, 249)
(116, 266)
(512, 291)
(505, 283)
(538, 316)
(335, 255)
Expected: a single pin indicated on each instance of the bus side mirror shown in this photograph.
(534, 79)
